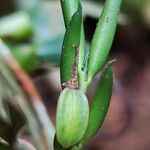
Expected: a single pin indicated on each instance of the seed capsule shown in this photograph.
(72, 117)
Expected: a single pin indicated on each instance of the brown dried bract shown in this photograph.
(73, 82)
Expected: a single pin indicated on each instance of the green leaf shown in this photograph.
(70, 44)
(100, 103)
(103, 37)
(69, 7)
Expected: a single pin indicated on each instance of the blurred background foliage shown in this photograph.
(34, 29)
(37, 25)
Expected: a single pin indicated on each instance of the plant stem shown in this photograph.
(69, 7)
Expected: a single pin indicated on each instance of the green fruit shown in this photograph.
(72, 117)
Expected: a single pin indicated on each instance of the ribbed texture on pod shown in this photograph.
(72, 117)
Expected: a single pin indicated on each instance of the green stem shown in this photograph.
(69, 7)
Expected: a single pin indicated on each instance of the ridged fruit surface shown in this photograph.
(72, 117)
